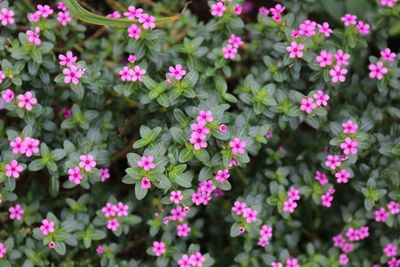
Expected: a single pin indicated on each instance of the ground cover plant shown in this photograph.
(204, 133)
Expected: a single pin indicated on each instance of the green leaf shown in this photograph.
(184, 179)
(185, 155)
(140, 192)
(36, 165)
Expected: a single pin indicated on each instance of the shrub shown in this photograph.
(219, 134)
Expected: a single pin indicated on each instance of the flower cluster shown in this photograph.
(290, 204)
(137, 14)
(85, 165)
(382, 214)
(231, 49)
(113, 212)
(350, 20)
(319, 99)
(347, 243)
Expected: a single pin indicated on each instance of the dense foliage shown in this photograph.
(226, 133)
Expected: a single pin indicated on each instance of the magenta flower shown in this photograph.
(333, 162)
(100, 250)
(342, 58)
(176, 72)
(105, 174)
(7, 95)
(387, 3)
(325, 29)
(68, 59)
(307, 104)
(324, 59)
(321, 98)
(6, 17)
(377, 70)
(30, 146)
(64, 18)
(235, 41)
(47, 227)
(342, 177)
(122, 209)
(66, 112)
(349, 127)
(293, 193)
(199, 130)
(134, 31)
(26, 101)
(263, 10)
(250, 215)
(292, 262)
(109, 210)
(114, 15)
(338, 241)
(72, 74)
(223, 128)
(276, 264)
(183, 230)
(176, 196)
(137, 73)
(75, 175)
(381, 215)
(295, 50)
(238, 146)
(363, 28)
(3, 250)
(229, 51)
(218, 9)
(222, 175)
(338, 74)
(237, 9)
(145, 183)
(307, 28)
(289, 205)
(146, 163)
(87, 162)
(34, 36)
(204, 117)
(394, 207)
(349, 146)
(387, 55)
(390, 250)
(326, 200)
(349, 19)
(239, 207)
(113, 224)
(126, 74)
(45, 10)
(13, 169)
(198, 141)
(34, 17)
(321, 178)
(277, 11)
(17, 146)
(147, 21)
(133, 13)
(16, 212)
(197, 259)
(132, 58)
(158, 248)
(343, 259)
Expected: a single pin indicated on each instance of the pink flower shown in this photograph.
(292, 262)
(3, 250)
(114, 15)
(145, 183)
(26, 100)
(238, 146)
(342, 177)
(6, 17)
(295, 50)
(363, 28)
(387, 3)
(87, 162)
(229, 51)
(237, 9)
(326, 200)
(307, 28)
(17, 146)
(75, 175)
(147, 21)
(338, 241)
(47, 227)
(105, 174)
(64, 18)
(178, 72)
(333, 162)
(34, 36)
(289, 205)
(343, 259)
(68, 59)
(134, 31)
(381, 215)
(321, 98)
(342, 58)
(263, 10)
(250, 215)
(45, 10)
(146, 162)
(276, 264)
(338, 74)
(109, 210)
(34, 17)
(199, 130)
(349, 19)
(113, 224)
(182, 230)
(394, 207)
(159, 248)
(122, 209)
(218, 9)
(30, 146)
(13, 169)
(7, 95)
(176, 196)
(204, 117)
(307, 104)
(66, 112)
(277, 11)
(349, 146)
(133, 13)
(390, 250)
(137, 73)
(126, 74)
(100, 250)
(2, 76)
(197, 259)
(132, 58)
(198, 141)
(378, 70)
(235, 41)
(349, 127)
(72, 74)
(321, 178)
(324, 59)
(16, 212)
(223, 128)
(184, 261)
(239, 207)
(61, 6)
(325, 29)
(387, 55)
(293, 193)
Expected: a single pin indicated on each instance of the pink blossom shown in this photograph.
(7, 16)
(176, 196)
(235, 41)
(100, 250)
(292, 262)
(321, 98)
(390, 250)
(237, 9)
(387, 55)
(145, 183)
(349, 146)
(342, 176)
(68, 59)
(321, 178)
(137, 73)
(45, 10)
(132, 58)
(349, 19)
(238, 146)
(229, 51)
(134, 31)
(377, 70)
(393, 262)
(218, 9)
(222, 175)
(349, 127)
(295, 50)
(126, 74)
(34, 36)
(30, 146)
(333, 162)
(61, 6)
(87, 162)
(3, 250)
(147, 21)
(26, 101)
(176, 72)
(338, 74)
(294, 193)
(146, 162)
(133, 13)
(325, 29)
(343, 259)
(204, 117)
(289, 205)
(114, 15)
(182, 230)
(307, 104)
(198, 141)
(276, 264)
(16, 212)
(122, 209)
(342, 58)
(72, 74)
(158, 248)
(113, 224)
(47, 227)
(109, 210)
(277, 11)
(104, 174)
(197, 259)
(324, 59)
(338, 241)
(184, 261)
(307, 28)
(17, 146)
(34, 17)
(2, 76)
(363, 28)
(64, 18)
(239, 207)
(13, 169)
(394, 207)
(250, 215)
(381, 215)
(199, 130)
(263, 10)
(327, 200)
(387, 3)
(75, 175)
(66, 112)
(51, 245)
(7, 95)
(223, 128)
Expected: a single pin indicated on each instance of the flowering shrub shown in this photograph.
(227, 133)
